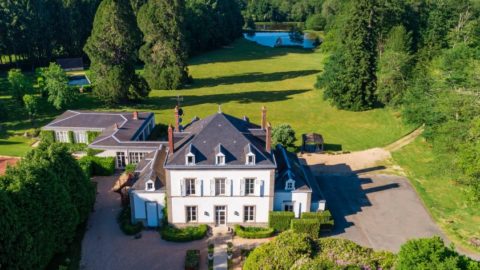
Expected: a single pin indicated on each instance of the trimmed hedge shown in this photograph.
(324, 217)
(99, 166)
(47, 136)
(186, 234)
(308, 226)
(192, 259)
(280, 221)
(124, 220)
(253, 232)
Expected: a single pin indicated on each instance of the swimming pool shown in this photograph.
(78, 80)
(277, 39)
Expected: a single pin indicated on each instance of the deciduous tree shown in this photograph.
(56, 84)
(18, 84)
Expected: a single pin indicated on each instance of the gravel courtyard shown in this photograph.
(106, 247)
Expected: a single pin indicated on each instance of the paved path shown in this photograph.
(220, 259)
(105, 247)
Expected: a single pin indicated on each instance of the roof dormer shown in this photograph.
(290, 185)
(249, 155)
(219, 155)
(190, 156)
(149, 185)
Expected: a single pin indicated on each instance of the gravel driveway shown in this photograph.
(378, 211)
(106, 247)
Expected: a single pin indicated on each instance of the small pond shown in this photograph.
(78, 80)
(278, 39)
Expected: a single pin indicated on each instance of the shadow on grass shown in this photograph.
(166, 102)
(251, 77)
(332, 147)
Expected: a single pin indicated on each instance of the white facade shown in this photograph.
(296, 201)
(143, 203)
(232, 203)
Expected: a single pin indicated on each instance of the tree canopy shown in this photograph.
(56, 86)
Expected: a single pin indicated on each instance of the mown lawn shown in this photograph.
(446, 200)
(242, 78)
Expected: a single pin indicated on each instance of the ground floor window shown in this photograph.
(121, 160)
(135, 157)
(191, 213)
(288, 206)
(248, 213)
(80, 136)
(61, 136)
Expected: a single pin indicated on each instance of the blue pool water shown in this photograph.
(274, 39)
(78, 80)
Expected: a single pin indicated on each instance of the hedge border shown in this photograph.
(261, 233)
(280, 220)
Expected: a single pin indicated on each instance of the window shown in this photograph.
(120, 160)
(219, 187)
(150, 186)
(288, 207)
(61, 136)
(250, 159)
(80, 136)
(191, 213)
(290, 185)
(248, 213)
(249, 186)
(190, 159)
(189, 187)
(220, 160)
(135, 157)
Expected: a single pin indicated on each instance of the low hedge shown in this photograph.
(124, 220)
(280, 221)
(324, 217)
(99, 166)
(47, 136)
(253, 232)
(186, 234)
(192, 259)
(308, 226)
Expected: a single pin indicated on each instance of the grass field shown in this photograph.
(242, 78)
(447, 201)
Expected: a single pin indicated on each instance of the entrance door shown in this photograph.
(152, 214)
(220, 215)
(120, 160)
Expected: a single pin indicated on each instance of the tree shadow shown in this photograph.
(332, 147)
(251, 77)
(346, 191)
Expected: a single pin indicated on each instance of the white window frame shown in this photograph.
(135, 157)
(249, 186)
(80, 136)
(249, 213)
(190, 186)
(220, 159)
(219, 184)
(191, 213)
(290, 184)
(61, 136)
(252, 156)
(187, 161)
(147, 186)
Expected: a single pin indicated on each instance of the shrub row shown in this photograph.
(192, 259)
(253, 232)
(280, 221)
(100, 166)
(308, 226)
(324, 217)
(124, 220)
(47, 136)
(186, 234)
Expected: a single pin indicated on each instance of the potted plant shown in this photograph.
(229, 250)
(210, 251)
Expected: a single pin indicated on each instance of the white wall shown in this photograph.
(206, 200)
(139, 200)
(300, 201)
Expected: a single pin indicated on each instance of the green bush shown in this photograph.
(124, 220)
(130, 168)
(186, 234)
(308, 226)
(86, 165)
(92, 135)
(92, 152)
(47, 136)
(76, 147)
(71, 137)
(280, 221)
(315, 22)
(32, 133)
(192, 259)
(100, 166)
(253, 232)
(324, 217)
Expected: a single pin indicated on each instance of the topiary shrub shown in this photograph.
(47, 136)
(308, 226)
(192, 259)
(186, 234)
(253, 232)
(125, 222)
(280, 221)
(324, 217)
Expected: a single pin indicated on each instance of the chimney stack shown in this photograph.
(268, 138)
(170, 139)
(135, 115)
(264, 117)
(177, 120)
(116, 126)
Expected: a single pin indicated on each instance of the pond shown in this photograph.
(278, 39)
(78, 80)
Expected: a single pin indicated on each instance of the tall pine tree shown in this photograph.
(349, 78)
(112, 48)
(163, 51)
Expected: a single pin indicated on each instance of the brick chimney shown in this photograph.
(170, 139)
(268, 138)
(115, 126)
(264, 117)
(135, 115)
(177, 120)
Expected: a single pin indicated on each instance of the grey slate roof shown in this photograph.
(220, 132)
(151, 168)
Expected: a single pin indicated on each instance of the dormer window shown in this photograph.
(250, 159)
(220, 159)
(290, 185)
(220, 156)
(190, 159)
(149, 186)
